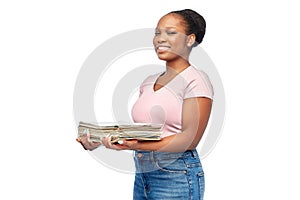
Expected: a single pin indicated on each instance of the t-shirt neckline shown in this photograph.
(164, 86)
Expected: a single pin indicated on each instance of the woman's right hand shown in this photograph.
(86, 144)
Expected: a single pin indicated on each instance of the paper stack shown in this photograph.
(119, 132)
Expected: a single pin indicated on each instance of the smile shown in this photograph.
(162, 48)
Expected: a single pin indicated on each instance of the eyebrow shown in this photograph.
(169, 27)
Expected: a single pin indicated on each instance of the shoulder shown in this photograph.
(194, 73)
(198, 83)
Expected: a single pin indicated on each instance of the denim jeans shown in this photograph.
(168, 176)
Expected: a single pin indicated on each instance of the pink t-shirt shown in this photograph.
(164, 106)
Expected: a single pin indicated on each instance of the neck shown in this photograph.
(176, 66)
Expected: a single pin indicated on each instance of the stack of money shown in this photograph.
(119, 132)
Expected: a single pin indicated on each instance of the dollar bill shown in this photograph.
(119, 132)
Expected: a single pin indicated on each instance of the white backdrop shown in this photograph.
(254, 45)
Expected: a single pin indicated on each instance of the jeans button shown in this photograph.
(139, 155)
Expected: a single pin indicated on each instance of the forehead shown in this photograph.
(171, 21)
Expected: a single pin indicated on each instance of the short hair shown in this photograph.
(194, 22)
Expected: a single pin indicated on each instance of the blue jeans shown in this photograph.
(168, 176)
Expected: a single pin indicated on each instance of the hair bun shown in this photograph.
(195, 23)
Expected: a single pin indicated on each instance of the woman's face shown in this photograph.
(170, 41)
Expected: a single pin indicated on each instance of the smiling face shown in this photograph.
(170, 40)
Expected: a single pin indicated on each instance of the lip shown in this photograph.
(162, 48)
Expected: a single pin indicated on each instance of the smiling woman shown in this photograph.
(180, 98)
(170, 39)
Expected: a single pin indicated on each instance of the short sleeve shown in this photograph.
(199, 86)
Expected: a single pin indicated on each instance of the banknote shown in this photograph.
(120, 131)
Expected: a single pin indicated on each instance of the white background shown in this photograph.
(254, 45)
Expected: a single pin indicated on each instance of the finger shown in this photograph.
(105, 141)
(82, 144)
(84, 141)
(108, 140)
(95, 144)
(112, 145)
(83, 138)
(86, 144)
(121, 142)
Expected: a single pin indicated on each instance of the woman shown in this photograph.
(181, 99)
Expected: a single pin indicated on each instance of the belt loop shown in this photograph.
(193, 153)
(151, 155)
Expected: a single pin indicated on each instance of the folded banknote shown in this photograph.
(119, 132)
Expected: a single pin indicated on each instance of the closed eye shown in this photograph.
(157, 33)
(171, 32)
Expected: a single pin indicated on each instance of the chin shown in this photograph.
(165, 56)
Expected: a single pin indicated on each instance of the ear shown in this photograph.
(191, 40)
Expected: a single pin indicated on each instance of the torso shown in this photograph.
(161, 98)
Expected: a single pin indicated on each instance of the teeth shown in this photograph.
(163, 48)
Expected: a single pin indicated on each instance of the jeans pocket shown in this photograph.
(201, 182)
(171, 166)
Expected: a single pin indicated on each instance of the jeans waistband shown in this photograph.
(156, 155)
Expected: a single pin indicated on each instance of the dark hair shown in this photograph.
(194, 22)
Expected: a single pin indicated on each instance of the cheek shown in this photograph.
(154, 40)
(177, 41)
(179, 45)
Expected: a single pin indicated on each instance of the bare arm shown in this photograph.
(195, 116)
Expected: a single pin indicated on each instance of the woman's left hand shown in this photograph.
(123, 145)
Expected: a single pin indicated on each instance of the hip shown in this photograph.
(181, 162)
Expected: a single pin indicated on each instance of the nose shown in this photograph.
(161, 38)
